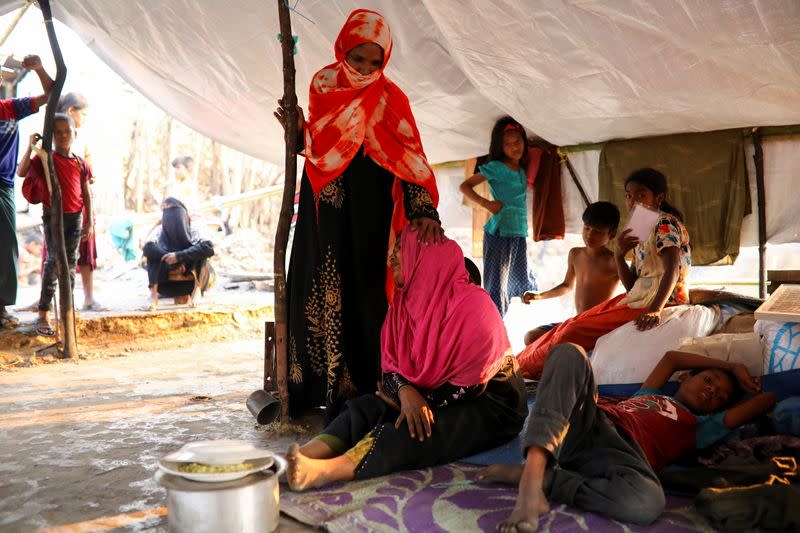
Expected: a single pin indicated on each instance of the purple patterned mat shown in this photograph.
(443, 499)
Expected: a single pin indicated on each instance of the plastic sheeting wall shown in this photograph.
(571, 72)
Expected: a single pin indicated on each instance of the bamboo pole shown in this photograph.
(59, 251)
(287, 206)
(758, 157)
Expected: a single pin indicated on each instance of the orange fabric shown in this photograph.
(348, 110)
(583, 330)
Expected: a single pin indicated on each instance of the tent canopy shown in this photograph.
(571, 72)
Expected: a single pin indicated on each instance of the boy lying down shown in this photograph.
(602, 456)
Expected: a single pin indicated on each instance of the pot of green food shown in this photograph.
(238, 497)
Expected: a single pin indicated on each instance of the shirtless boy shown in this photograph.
(591, 269)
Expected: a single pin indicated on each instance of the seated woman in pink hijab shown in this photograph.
(450, 386)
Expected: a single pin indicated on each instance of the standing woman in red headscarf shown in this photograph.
(366, 176)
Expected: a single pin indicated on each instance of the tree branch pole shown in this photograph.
(758, 158)
(59, 249)
(287, 205)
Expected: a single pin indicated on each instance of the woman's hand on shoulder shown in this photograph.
(280, 115)
(416, 411)
(430, 231)
(625, 243)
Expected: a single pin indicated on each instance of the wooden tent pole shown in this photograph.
(758, 157)
(287, 205)
(59, 250)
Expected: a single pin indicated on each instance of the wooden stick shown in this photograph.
(269, 356)
(758, 157)
(59, 250)
(287, 206)
(574, 175)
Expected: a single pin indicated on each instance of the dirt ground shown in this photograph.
(230, 310)
(79, 440)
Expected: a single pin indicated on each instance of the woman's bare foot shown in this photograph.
(307, 473)
(508, 474)
(531, 504)
(303, 472)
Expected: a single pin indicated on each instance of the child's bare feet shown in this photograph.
(531, 504)
(508, 474)
(303, 472)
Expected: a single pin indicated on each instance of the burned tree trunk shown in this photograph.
(59, 251)
(287, 204)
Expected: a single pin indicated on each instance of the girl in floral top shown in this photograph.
(658, 274)
(657, 277)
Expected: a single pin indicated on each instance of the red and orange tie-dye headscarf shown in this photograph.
(348, 110)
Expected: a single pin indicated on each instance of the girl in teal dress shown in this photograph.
(505, 260)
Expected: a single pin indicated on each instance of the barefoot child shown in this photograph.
(602, 456)
(76, 106)
(73, 177)
(591, 269)
(450, 388)
(505, 259)
(656, 278)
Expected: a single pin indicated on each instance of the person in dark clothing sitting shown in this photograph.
(177, 258)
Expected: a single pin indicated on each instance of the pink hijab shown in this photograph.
(440, 328)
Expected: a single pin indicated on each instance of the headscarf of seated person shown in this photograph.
(441, 328)
(176, 228)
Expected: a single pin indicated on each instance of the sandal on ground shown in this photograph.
(44, 328)
(94, 306)
(8, 321)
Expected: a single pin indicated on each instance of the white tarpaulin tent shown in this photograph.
(571, 71)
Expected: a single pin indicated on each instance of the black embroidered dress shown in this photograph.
(337, 283)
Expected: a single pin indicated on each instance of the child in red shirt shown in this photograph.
(73, 176)
(602, 456)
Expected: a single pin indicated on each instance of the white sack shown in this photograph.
(781, 344)
(627, 355)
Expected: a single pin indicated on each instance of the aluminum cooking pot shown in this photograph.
(246, 505)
